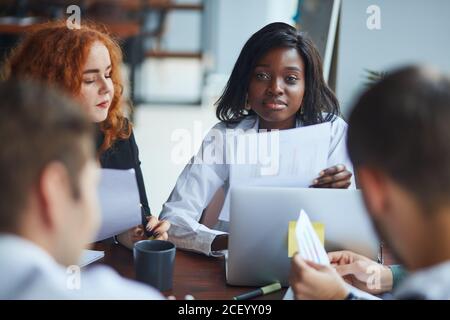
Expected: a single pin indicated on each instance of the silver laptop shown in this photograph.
(259, 218)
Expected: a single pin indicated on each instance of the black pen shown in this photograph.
(148, 234)
(259, 292)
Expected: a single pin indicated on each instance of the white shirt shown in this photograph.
(29, 272)
(432, 283)
(198, 183)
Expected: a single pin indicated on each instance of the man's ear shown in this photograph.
(53, 192)
(373, 184)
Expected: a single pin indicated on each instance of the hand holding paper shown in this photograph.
(310, 247)
(119, 200)
(285, 158)
(312, 277)
(319, 229)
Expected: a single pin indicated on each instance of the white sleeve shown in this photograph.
(192, 193)
(101, 282)
(338, 148)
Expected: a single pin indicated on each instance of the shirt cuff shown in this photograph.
(398, 274)
(200, 242)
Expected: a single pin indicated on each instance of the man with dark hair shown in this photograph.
(399, 143)
(48, 200)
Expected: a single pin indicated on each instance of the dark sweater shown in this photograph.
(124, 154)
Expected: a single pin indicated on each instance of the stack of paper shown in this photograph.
(285, 158)
(310, 248)
(281, 158)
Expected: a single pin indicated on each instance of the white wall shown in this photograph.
(412, 31)
(234, 22)
(227, 26)
(183, 28)
(239, 19)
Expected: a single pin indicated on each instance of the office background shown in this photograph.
(178, 90)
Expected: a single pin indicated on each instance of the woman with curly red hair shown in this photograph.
(86, 62)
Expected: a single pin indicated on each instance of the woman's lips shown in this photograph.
(275, 106)
(103, 105)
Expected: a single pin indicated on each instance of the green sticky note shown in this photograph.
(292, 240)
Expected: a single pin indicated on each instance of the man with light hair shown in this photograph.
(49, 209)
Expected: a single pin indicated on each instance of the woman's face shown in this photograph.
(97, 90)
(276, 88)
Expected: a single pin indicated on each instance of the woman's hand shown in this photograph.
(135, 234)
(131, 236)
(158, 227)
(336, 177)
(220, 242)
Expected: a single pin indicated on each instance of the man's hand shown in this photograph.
(316, 282)
(361, 272)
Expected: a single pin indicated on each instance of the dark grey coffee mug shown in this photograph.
(153, 263)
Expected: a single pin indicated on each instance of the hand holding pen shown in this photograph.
(156, 229)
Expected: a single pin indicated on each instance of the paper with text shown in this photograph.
(319, 229)
(309, 245)
(283, 158)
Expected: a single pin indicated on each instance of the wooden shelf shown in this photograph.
(151, 4)
(173, 54)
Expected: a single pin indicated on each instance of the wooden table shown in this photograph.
(198, 275)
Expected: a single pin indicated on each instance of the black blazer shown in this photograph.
(124, 154)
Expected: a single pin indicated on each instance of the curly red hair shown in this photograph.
(54, 54)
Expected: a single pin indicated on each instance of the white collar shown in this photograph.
(252, 122)
(17, 249)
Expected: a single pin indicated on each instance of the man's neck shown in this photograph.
(438, 240)
(32, 230)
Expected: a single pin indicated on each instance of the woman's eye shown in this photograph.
(291, 79)
(262, 76)
(88, 81)
(108, 76)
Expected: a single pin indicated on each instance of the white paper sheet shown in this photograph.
(308, 243)
(285, 158)
(89, 256)
(310, 248)
(119, 201)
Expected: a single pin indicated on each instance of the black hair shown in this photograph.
(401, 126)
(318, 98)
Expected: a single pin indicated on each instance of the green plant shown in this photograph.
(373, 76)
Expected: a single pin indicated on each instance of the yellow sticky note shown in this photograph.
(292, 241)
